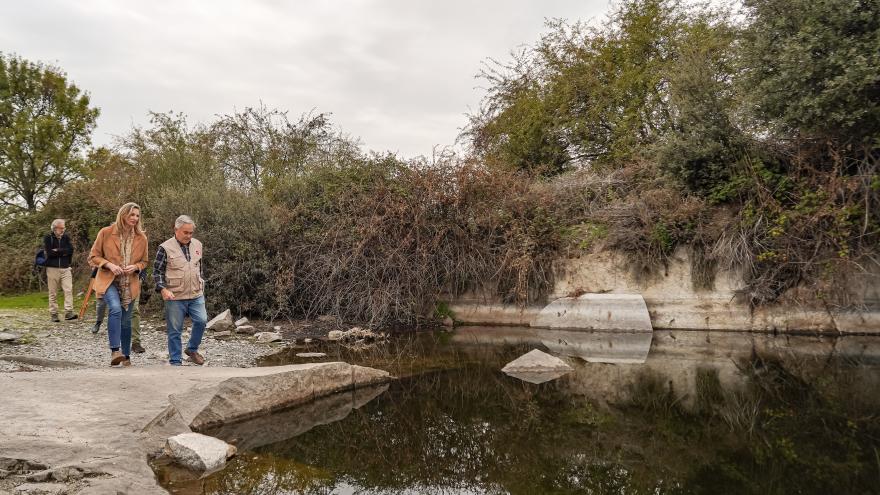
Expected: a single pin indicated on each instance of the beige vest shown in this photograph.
(182, 276)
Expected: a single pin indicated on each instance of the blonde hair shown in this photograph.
(123, 214)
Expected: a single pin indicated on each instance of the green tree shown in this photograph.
(45, 122)
(703, 143)
(597, 95)
(812, 67)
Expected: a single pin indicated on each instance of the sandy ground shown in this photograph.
(63, 409)
(91, 421)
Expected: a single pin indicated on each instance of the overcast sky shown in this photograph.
(397, 74)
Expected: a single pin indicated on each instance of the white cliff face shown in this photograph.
(673, 303)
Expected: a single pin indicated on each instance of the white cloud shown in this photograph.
(398, 74)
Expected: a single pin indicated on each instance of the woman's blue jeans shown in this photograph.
(118, 321)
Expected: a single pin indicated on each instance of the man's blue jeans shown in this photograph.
(175, 312)
(118, 321)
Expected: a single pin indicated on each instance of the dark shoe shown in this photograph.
(70, 315)
(96, 328)
(55, 317)
(195, 357)
(116, 358)
(137, 347)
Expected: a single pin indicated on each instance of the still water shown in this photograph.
(676, 413)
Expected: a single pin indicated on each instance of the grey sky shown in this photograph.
(397, 74)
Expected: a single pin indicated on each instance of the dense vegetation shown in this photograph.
(750, 138)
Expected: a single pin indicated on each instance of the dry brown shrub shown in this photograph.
(814, 227)
(648, 225)
(383, 241)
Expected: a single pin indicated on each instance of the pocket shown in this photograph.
(174, 282)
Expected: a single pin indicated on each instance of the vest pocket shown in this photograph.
(174, 282)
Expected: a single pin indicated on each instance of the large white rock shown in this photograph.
(619, 312)
(199, 452)
(240, 322)
(242, 398)
(221, 322)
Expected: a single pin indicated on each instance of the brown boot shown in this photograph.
(116, 358)
(195, 357)
(126, 363)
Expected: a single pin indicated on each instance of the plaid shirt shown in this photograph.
(162, 261)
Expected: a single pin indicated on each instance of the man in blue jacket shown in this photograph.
(59, 251)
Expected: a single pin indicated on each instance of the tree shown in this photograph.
(45, 122)
(258, 148)
(585, 95)
(703, 144)
(812, 68)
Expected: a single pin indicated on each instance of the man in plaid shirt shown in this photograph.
(177, 272)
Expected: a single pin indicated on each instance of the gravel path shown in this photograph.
(74, 342)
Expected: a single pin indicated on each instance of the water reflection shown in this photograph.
(705, 413)
(248, 435)
(536, 377)
(591, 346)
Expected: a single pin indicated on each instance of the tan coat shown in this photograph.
(182, 277)
(108, 249)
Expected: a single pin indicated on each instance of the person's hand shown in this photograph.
(130, 269)
(167, 294)
(114, 268)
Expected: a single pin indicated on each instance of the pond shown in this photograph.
(704, 413)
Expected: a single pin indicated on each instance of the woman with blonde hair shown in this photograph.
(120, 254)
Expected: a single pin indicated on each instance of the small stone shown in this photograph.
(71, 473)
(335, 335)
(221, 322)
(199, 452)
(536, 367)
(9, 337)
(246, 329)
(276, 328)
(448, 322)
(40, 475)
(537, 360)
(327, 318)
(241, 321)
(311, 354)
(224, 335)
(307, 340)
(267, 337)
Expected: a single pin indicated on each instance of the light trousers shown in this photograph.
(62, 276)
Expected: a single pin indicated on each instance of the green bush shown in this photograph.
(240, 235)
(23, 234)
